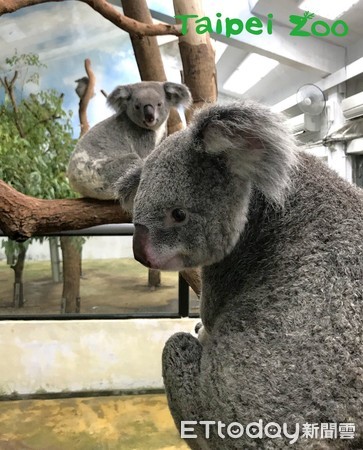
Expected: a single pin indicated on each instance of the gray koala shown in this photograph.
(280, 239)
(109, 148)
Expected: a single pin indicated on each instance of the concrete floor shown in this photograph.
(137, 422)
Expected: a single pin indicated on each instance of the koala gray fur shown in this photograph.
(280, 239)
(82, 84)
(108, 149)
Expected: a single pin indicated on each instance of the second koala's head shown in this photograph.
(148, 104)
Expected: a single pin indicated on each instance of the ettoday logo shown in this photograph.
(303, 25)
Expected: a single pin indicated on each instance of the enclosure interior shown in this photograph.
(114, 343)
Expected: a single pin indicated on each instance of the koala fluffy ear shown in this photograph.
(127, 184)
(177, 94)
(118, 98)
(255, 142)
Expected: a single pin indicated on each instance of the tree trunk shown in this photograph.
(151, 68)
(198, 57)
(18, 267)
(71, 251)
(150, 64)
(72, 246)
(200, 75)
(154, 279)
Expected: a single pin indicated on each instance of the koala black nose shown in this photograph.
(139, 243)
(149, 113)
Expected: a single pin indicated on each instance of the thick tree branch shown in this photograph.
(107, 11)
(198, 58)
(22, 217)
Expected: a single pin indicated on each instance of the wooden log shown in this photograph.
(198, 57)
(22, 217)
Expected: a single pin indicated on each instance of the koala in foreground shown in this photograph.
(280, 239)
(108, 149)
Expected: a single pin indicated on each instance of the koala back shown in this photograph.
(279, 238)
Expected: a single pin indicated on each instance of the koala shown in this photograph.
(82, 84)
(108, 149)
(279, 237)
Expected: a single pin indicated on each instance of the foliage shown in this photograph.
(36, 136)
(12, 250)
(34, 162)
(28, 65)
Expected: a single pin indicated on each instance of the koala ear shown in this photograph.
(177, 94)
(127, 184)
(255, 142)
(118, 98)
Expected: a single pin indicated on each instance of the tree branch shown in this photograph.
(22, 217)
(40, 120)
(106, 10)
(83, 103)
(9, 88)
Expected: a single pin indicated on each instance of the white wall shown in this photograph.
(99, 247)
(84, 355)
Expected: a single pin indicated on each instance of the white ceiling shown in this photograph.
(68, 29)
(302, 59)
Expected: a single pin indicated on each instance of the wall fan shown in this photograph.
(311, 101)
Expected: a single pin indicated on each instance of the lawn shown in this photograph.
(114, 286)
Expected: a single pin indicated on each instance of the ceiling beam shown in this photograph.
(339, 77)
(304, 53)
(229, 62)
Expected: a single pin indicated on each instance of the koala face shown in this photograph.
(193, 191)
(189, 222)
(147, 108)
(148, 104)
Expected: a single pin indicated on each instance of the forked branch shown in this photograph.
(108, 12)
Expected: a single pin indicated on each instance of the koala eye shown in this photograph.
(159, 104)
(137, 106)
(179, 215)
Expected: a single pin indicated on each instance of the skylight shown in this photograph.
(331, 9)
(252, 70)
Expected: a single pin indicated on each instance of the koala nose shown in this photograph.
(139, 243)
(149, 113)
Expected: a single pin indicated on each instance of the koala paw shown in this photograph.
(203, 336)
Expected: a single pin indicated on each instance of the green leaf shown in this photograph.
(308, 15)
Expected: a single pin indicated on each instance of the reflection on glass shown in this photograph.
(112, 282)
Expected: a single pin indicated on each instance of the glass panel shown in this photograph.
(357, 161)
(194, 303)
(112, 282)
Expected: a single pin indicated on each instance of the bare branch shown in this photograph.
(9, 88)
(12, 82)
(83, 103)
(107, 11)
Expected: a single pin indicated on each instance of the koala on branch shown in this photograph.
(112, 146)
(279, 237)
